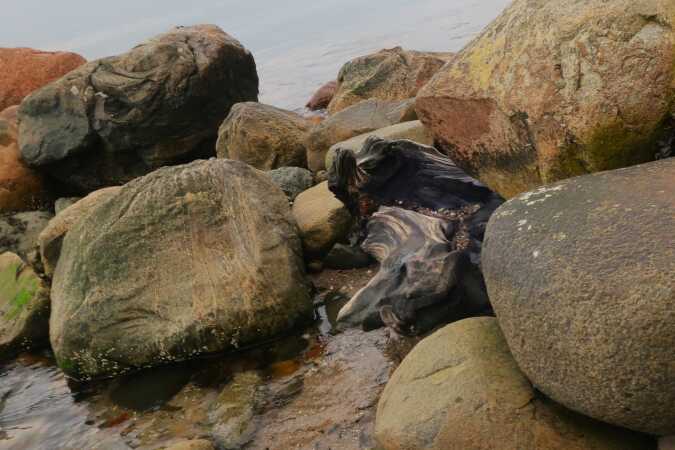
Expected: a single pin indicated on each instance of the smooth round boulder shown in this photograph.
(187, 260)
(580, 275)
(322, 219)
(263, 136)
(460, 389)
(118, 118)
(552, 90)
(30, 70)
(390, 74)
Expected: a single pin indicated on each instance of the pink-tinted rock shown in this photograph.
(25, 70)
(21, 189)
(322, 97)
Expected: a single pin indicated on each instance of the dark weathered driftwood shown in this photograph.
(428, 244)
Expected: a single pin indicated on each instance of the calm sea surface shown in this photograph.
(297, 44)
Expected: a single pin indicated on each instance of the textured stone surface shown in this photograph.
(322, 96)
(412, 131)
(118, 118)
(580, 274)
(552, 90)
(358, 119)
(187, 260)
(292, 180)
(51, 238)
(21, 188)
(460, 389)
(19, 232)
(321, 218)
(28, 69)
(24, 307)
(193, 444)
(263, 136)
(390, 74)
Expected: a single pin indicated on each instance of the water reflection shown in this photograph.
(41, 408)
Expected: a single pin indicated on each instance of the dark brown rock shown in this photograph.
(118, 118)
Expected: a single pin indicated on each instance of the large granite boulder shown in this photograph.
(263, 136)
(118, 118)
(21, 188)
(187, 260)
(580, 274)
(24, 307)
(30, 69)
(460, 389)
(358, 119)
(50, 239)
(552, 90)
(390, 74)
(322, 219)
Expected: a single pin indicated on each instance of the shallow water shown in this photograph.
(313, 389)
(298, 44)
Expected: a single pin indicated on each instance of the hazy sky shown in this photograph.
(298, 44)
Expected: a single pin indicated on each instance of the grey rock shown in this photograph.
(292, 180)
(64, 202)
(19, 232)
(117, 118)
(580, 275)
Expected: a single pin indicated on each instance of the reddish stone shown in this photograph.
(21, 188)
(24, 70)
(322, 97)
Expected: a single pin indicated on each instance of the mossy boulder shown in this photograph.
(461, 389)
(24, 307)
(187, 260)
(580, 275)
(551, 90)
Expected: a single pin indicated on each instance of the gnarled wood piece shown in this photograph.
(424, 279)
(428, 245)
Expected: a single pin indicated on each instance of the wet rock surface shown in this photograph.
(580, 277)
(24, 307)
(315, 389)
(118, 118)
